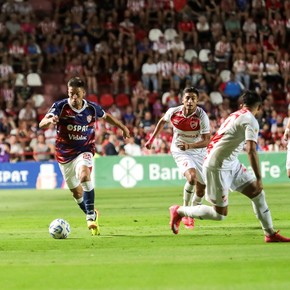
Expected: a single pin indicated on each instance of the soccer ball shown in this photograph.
(59, 229)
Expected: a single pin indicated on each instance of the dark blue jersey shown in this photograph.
(75, 129)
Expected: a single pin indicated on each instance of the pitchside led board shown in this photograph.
(126, 172)
(160, 170)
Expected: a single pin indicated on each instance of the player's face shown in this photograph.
(190, 102)
(76, 96)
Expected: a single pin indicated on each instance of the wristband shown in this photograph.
(287, 130)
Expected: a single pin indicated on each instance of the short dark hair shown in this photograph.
(190, 90)
(76, 82)
(251, 98)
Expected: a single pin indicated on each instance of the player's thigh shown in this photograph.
(71, 171)
(288, 161)
(242, 178)
(83, 165)
(218, 184)
(185, 161)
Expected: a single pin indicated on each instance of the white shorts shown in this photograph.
(70, 170)
(288, 158)
(185, 160)
(220, 182)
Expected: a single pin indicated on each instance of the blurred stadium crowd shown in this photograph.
(136, 56)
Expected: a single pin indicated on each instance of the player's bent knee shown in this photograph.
(220, 217)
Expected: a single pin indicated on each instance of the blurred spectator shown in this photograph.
(253, 47)
(250, 28)
(74, 67)
(270, 48)
(285, 69)
(16, 150)
(50, 135)
(222, 50)
(28, 27)
(149, 75)
(46, 29)
(90, 72)
(129, 117)
(137, 10)
(211, 72)
(177, 47)
(13, 25)
(196, 71)
(255, 69)
(17, 52)
(272, 71)
(240, 69)
(144, 50)
(94, 29)
(23, 94)
(161, 46)
(233, 25)
(53, 50)
(232, 90)
(126, 29)
(28, 113)
(147, 121)
(187, 30)
(102, 52)
(216, 28)
(120, 75)
(41, 150)
(131, 148)
(203, 30)
(140, 94)
(34, 56)
(164, 69)
(6, 71)
(4, 152)
(110, 147)
(181, 74)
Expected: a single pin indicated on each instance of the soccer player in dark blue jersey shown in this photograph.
(75, 120)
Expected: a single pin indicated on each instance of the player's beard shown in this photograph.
(76, 104)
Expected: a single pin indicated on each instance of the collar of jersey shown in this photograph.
(74, 109)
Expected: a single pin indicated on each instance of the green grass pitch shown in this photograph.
(136, 249)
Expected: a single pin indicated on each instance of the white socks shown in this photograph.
(188, 190)
(263, 213)
(196, 200)
(203, 212)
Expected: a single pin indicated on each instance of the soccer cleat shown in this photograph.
(276, 238)
(175, 219)
(93, 225)
(188, 222)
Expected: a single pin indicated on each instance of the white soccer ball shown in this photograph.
(59, 229)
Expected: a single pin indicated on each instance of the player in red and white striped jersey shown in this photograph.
(191, 135)
(224, 172)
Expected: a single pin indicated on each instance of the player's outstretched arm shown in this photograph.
(47, 120)
(157, 130)
(115, 122)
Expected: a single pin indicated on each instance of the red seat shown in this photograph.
(122, 100)
(106, 100)
(92, 98)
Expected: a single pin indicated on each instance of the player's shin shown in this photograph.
(81, 204)
(89, 198)
(188, 191)
(196, 200)
(263, 213)
(203, 212)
